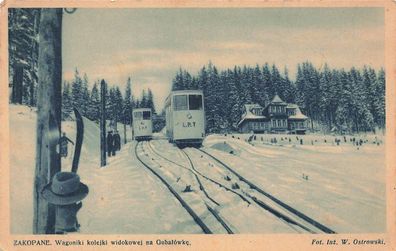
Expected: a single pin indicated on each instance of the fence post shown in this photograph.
(103, 123)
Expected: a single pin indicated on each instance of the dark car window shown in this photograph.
(146, 115)
(195, 102)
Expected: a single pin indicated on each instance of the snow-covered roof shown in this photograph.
(249, 114)
(277, 99)
(299, 114)
(249, 107)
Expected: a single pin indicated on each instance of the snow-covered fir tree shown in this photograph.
(128, 102)
(23, 49)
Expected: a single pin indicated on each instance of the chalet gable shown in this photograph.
(254, 109)
(294, 112)
(252, 112)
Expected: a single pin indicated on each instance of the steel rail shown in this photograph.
(274, 199)
(196, 218)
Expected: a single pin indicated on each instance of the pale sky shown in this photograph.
(151, 44)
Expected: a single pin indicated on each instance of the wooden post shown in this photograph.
(103, 123)
(48, 116)
(125, 136)
(17, 84)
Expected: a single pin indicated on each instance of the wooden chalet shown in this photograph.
(277, 117)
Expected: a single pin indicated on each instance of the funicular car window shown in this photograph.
(138, 115)
(180, 102)
(146, 115)
(195, 102)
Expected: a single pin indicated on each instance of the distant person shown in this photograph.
(109, 142)
(117, 141)
(63, 144)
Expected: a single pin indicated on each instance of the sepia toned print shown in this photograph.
(183, 122)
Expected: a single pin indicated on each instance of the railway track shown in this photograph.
(196, 216)
(297, 214)
(246, 197)
(196, 172)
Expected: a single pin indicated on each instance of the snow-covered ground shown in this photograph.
(343, 186)
(124, 197)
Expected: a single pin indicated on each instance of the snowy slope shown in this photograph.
(124, 197)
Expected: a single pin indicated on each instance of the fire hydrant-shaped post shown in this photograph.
(65, 192)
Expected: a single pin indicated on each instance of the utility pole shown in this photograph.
(103, 123)
(48, 116)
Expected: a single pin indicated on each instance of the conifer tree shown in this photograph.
(235, 106)
(143, 100)
(93, 111)
(118, 105)
(77, 94)
(128, 102)
(85, 96)
(66, 101)
(150, 101)
(266, 88)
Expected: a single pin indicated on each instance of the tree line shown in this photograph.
(76, 93)
(352, 100)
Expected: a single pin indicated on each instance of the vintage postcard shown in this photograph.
(198, 125)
